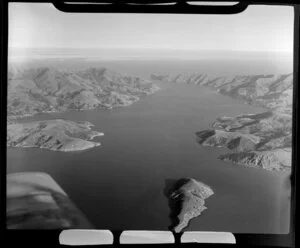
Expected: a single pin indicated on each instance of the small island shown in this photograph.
(186, 200)
(55, 135)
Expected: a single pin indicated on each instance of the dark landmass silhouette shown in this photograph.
(186, 200)
(35, 201)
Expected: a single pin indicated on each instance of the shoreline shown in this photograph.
(53, 135)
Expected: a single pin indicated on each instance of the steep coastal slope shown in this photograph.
(257, 140)
(56, 135)
(261, 140)
(40, 90)
(45, 90)
(186, 200)
(269, 91)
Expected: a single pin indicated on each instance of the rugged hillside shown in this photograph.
(39, 90)
(269, 91)
(186, 198)
(57, 135)
(236, 141)
(261, 140)
(258, 140)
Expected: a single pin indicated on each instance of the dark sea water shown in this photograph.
(120, 184)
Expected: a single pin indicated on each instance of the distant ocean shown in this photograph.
(143, 63)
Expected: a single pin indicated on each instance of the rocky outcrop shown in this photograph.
(56, 135)
(46, 89)
(258, 140)
(186, 200)
(236, 141)
(274, 160)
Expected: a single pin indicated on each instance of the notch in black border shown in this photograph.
(178, 7)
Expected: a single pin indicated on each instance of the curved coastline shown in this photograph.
(186, 200)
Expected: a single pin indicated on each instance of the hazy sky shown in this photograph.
(259, 28)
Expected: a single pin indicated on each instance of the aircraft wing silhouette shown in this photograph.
(36, 201)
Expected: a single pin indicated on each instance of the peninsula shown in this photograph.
(47, 90)
(55, 135)
(258, 140)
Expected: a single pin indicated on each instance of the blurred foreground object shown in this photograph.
(36, 201)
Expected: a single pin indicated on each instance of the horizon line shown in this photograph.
(152, 49)
(147, 48)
